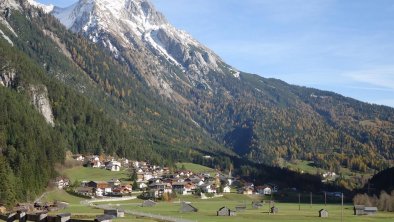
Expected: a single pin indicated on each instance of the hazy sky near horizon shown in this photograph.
(341, 46)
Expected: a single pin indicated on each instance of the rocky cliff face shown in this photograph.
(39, 98)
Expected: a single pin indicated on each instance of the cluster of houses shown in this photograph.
(107, 163)
(154, 181)
(112, 187)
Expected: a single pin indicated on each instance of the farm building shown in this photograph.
(240, 208)
(323, 213)
(187, 207)
(224, 211)
(148, 203)
(370, 210)
(274, 210)
(257, 205)
(363, 210)
(114, 212)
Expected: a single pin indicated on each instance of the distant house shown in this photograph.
(61, 182)
(186, 207)
(247, 191)
(208, 188)
(99, 192)
(323, 213)
(98, 184)
(264, 190)
(114, 212)
(224, 211)
(85, 191)
(179, 188)
(226, 189)
(142, 186)
(148, 203)
(113, 182)
(113, 166)
(78, 157)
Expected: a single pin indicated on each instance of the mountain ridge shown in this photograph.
(220, 112)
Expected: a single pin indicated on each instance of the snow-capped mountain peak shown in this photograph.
(136, 28)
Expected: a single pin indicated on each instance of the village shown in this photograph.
(156, 182)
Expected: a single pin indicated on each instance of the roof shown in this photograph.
(370, 209)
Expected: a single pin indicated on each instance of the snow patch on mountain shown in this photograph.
(6, 38)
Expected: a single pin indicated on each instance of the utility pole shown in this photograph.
(325, 198)
(311, 198)
(342, 208)
(299, 201)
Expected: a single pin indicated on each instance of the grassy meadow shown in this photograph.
(88, 173)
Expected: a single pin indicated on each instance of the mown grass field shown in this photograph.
(195, 168)
(287, 211)
(88, 173)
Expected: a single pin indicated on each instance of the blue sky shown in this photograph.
(342, 46)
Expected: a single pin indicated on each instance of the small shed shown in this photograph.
(148, 203)
(104, 218)
(187, 207)
(323, 213)
(274, 210)
(114, 212)
(240, 208)
(257, 205)
(358, 209)
(224, 211)
(370, 210)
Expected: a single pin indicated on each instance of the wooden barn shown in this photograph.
(224, 211)
(323, 213)
(274, 210)
(187, 207)
(148, 203)
(114, 212)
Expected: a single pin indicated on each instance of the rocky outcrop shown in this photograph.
(7, 77)
(40, 100)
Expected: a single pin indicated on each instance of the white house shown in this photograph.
(107, 190)
(114, 182)
(99, 192)
(208, 188)
(142, 185)
(226, 189)
(113, 166)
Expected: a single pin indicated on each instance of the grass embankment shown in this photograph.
(88, 174)
(195, 168)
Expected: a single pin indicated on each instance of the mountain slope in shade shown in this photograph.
(264, 120)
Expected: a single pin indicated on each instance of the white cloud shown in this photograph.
(380, 76)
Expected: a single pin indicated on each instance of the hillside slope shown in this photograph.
(265, 120)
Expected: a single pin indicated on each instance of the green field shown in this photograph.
(287, 211)
(196, 168)
(88, 173)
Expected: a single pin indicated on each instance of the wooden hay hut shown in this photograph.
(224, 211)
(370, 210)
(323, 213)
(114, 212)
(240, 208)
(274, 210)
(358, 209)
(186, 207)
(257, 205)
(148, 203)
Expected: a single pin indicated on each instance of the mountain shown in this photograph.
(121, 80)
(265, 120)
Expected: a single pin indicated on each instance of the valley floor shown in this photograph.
(207, 210)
